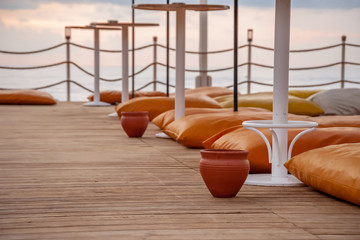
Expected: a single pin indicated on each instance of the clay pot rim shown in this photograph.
(212, 153)
(139, 113)
(223, 151)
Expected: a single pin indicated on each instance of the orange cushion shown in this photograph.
(209, 91)
(192, 130)
(113, 97)
(337, 121)
(26, 97)
(157, 105)
(334, 170)
(265, 100)
(240, 138)
(169, 116)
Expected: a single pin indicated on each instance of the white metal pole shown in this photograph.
(203, 45)
(97, 66)
(125, 64)
(281, 84)
(180, 64)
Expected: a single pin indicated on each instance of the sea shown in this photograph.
(37, 78)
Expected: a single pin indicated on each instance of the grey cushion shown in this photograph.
(338, 101)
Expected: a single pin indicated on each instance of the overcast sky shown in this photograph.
(35, 24)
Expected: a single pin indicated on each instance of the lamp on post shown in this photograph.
(67, 36)
(67, 33)
(250, 35)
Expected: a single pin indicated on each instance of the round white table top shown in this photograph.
(175, 6)
(115, 23)
(270, 124)
(92, 27)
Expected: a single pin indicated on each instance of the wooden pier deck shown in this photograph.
(70, 172)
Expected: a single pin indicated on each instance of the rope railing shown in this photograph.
(296, 86)
(209, 52)
(33, 67)
(110, 51)
(156, 63)
(36, 51)
(53, 85)
(152, 82)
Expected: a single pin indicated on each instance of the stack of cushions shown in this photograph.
(114, 97)
(168, 117)
(208, 91)
(334, 170)
(157, 105)
(338, 101)
(240, 138)
(192, 130)
(34, 97)
(264, 100)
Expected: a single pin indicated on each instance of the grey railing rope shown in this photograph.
(36, 51)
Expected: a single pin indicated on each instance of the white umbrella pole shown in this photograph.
(97, 99)
(281, 84)
(180, 64)
(202, 79)
(125, 64)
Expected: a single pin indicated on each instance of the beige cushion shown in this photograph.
(338, 101)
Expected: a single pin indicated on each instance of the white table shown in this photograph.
(96, 102)
(279, 176)
(125, 50)
(180, 9)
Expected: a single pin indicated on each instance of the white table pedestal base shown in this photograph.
(268, 180)
(114, 114)
(162, 135)
(96, 104)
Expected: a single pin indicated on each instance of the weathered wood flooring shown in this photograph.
(70, 172)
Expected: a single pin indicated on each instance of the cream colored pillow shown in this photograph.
(338, 101)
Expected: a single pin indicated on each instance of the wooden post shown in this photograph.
(68, 69)
(250, 38)
(68, 36)
(343, 39)
(155, 63)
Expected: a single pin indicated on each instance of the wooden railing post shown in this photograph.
(343, 40)
(155, 63)
(67, 36)
(250, 38)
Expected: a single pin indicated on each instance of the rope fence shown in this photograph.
(156, 63)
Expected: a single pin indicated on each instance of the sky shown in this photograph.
(27, 25)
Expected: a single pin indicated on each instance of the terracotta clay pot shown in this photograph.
(224, 171)
(134, 123)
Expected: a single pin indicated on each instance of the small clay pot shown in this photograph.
(134, 123)
(224, 171)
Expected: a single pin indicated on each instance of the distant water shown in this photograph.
(41, 77)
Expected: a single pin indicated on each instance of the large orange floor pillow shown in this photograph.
(240, 138)
(265, 100)
(208, 91)
(334, 170)
(337, 121)
(114, 97)
(157, 105)
(192, 130)
(168, 117)
(35, 97)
